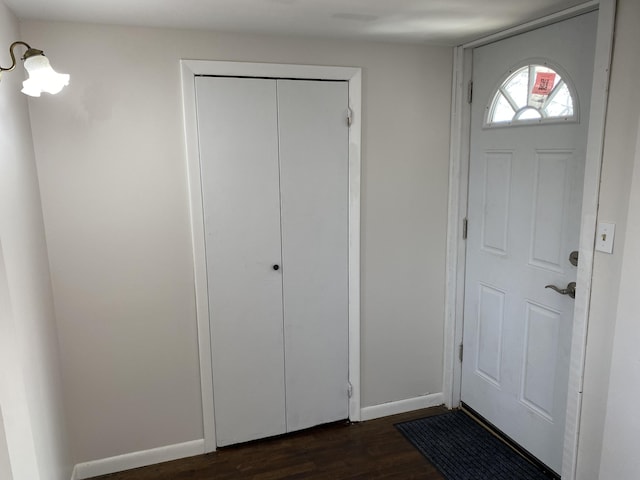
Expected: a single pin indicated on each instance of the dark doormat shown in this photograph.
(461, 449)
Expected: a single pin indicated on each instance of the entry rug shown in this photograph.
(463, 450)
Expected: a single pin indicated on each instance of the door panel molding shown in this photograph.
(189, 70)
(458, 185)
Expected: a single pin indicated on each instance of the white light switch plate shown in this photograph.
(604, 237)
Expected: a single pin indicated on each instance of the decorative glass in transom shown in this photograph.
(532, 94)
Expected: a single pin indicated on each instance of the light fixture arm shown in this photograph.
(29, 53)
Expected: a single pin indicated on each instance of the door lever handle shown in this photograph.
(570, 290)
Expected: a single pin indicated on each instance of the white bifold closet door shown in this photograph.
(274, 165)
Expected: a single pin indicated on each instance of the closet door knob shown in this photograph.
(276, 267)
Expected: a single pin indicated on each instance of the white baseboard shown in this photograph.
(144, 458)
(402, 406)
(137, 459)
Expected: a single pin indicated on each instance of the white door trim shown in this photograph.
(189, 70)
(458, 185)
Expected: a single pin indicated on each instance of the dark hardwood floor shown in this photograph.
(364, 451)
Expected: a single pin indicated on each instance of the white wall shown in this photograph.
(620, 458)
(112, 170)
(5, 462)
(620, 143)
(30, 386)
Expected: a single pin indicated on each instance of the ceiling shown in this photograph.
(447, 22)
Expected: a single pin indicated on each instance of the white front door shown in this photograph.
(528, 137)
(274, 169)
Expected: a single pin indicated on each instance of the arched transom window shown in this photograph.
(532, 94)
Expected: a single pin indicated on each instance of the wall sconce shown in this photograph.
(42, 78)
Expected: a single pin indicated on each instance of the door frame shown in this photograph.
(189, 70)
(457, 208)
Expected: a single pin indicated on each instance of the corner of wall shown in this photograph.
(31, 391)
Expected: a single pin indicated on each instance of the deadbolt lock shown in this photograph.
(573, 258)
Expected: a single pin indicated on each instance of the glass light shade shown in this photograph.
(42, 78)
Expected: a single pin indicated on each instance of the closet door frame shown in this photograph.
(189, 70)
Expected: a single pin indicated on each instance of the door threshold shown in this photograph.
(507, 440)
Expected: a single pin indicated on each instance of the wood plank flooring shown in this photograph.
(364, 451)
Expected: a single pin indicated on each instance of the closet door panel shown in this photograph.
(237, 122)
(314, 142)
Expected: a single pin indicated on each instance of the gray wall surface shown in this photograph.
(112, 169)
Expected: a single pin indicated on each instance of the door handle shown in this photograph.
(570, 290)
